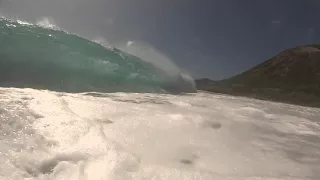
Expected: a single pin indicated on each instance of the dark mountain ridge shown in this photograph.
(292, 76)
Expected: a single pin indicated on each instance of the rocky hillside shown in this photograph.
(293, 76)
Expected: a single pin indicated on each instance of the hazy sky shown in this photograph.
(208, 38)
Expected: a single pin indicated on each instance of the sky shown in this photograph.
(207, 38)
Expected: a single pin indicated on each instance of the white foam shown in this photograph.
(102, 41)
(46, 135)
(48, 23)
(24, 22)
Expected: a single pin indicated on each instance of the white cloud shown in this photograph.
(311, 33)
(275, 25)
(311, 30)
(110, 21)
(129, 43)
(276, 22)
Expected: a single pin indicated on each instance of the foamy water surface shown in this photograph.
(49, 135)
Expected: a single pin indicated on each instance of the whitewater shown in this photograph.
(52, 135)
(73, 109)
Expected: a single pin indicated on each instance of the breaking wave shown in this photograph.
(43, 57)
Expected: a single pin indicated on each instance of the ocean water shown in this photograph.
(72, 109)
(95, 136)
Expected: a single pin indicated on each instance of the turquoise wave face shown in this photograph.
(36, 57)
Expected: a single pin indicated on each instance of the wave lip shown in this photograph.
(41, 57)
